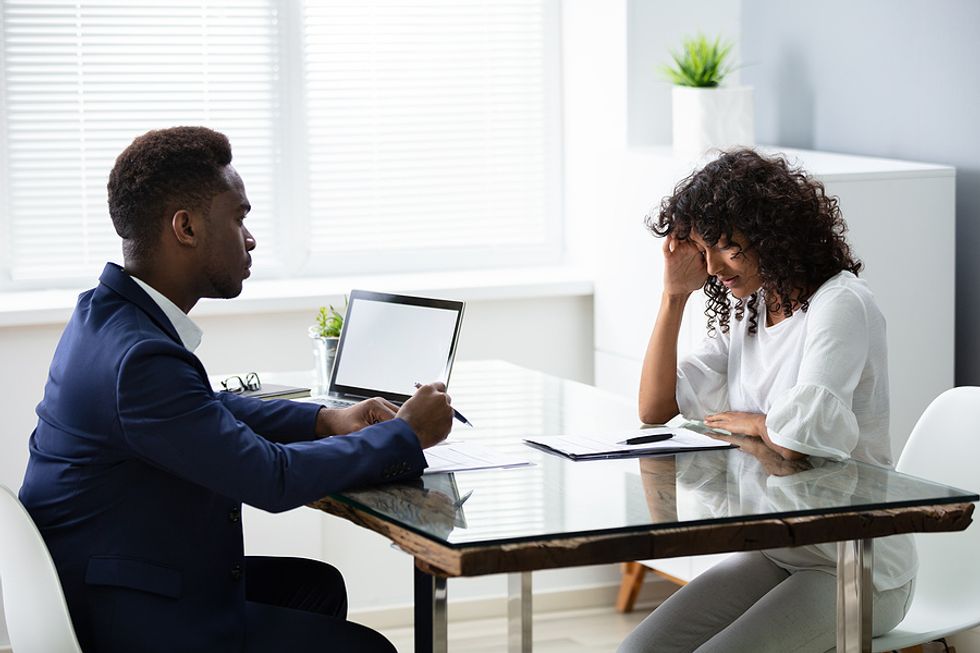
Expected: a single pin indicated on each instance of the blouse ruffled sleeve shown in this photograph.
(816, 416)
(702, 378)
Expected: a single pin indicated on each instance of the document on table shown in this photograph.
(467, 456)
(611, 444)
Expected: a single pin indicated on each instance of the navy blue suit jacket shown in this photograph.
(138, 470)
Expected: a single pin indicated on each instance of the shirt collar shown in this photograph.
(190, 334)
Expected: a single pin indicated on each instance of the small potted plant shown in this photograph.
(325, 334)
(706, 113)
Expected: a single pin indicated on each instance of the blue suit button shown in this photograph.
(236, 572)
(235, 516)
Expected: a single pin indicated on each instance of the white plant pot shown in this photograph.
(706, 118)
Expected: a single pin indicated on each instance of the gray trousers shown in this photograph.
(748, 603)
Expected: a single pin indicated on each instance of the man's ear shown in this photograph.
(185, 227)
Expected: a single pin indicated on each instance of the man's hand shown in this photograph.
(429, 413)
(341, 421)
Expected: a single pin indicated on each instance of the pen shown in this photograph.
(459, 502)
(647, 439)
(458, 415)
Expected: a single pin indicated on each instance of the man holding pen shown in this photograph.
(138, 470)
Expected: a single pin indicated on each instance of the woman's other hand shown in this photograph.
(684, 268)
(753, 424)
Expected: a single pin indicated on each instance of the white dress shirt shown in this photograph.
(190, 334)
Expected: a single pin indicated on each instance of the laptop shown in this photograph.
(391, 342)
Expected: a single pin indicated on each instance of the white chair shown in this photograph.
(34, 605)
(944, 447)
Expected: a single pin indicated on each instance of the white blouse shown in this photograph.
(821, 379)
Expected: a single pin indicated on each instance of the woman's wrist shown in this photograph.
(676, 299)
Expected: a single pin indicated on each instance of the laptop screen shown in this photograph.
(390, 342)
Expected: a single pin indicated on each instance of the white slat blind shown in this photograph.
(83, 78)
(372, 135)
(430, 128)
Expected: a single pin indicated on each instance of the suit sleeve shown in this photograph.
(278, 420)
(170, 418)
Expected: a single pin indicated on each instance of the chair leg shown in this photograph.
(629, 587)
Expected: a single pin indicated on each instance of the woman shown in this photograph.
(795, 356)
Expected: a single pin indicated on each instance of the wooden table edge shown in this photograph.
(442, 560)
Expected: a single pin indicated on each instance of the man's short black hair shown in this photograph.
(162, 171)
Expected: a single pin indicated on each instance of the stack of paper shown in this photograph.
(613, 445)
(466, 456)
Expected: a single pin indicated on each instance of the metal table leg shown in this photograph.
(519, 610)
(854, 559)
(431, 623)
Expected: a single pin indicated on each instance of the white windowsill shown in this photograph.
(281, 295)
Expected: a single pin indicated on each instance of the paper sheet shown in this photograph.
(466, 456)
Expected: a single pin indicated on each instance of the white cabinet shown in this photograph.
(901, 220)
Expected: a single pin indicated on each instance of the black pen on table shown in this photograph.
(458, 415)
(647, 439)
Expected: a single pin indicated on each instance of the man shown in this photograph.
(137, 470)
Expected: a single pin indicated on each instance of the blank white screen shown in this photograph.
(388, 347)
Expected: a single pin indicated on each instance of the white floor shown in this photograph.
(596, 630)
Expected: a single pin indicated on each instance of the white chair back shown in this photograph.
(34, 605)
(944, 447)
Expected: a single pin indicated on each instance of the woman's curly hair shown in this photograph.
(780, 213)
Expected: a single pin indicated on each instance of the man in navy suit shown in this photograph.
(138, 470)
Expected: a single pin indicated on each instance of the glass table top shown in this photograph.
(557, 497)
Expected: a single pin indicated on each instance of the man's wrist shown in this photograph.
(324, 422)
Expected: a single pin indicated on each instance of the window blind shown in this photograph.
(372, 135)
(429, 128)
(82, 79)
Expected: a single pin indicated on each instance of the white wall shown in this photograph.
(594, 115)
(919, 103)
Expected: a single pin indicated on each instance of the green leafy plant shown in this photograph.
(701, 63)
(329, 321)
